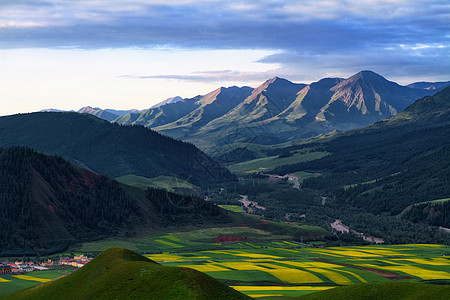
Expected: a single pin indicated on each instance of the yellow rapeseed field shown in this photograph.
(206, 268)
(26, 277)
(293, 275)
(4, 280)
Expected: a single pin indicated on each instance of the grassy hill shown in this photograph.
(383, 290)
(110, 149)
(119, 273)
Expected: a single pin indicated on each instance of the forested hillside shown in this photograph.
(46, 204)
(110, 149)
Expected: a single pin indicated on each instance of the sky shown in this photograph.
(67, 54)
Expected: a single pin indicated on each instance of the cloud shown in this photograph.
(217, 76)
(310, 33)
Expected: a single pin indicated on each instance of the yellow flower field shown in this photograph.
(206, 268)
(26, 277)
(293, 275)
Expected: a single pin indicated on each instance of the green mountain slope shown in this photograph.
(210, 107)
(119, 273)
(160, 115)
(383, 290)
(110, 149)
(46, 204)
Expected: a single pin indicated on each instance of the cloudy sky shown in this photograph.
(131, 54)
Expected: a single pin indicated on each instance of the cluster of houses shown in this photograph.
(19, 266)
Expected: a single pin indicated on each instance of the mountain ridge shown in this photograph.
(279, 111)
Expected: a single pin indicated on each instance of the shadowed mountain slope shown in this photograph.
(110, 149)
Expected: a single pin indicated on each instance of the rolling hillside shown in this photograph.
(119, 273)
(46, 204)
(110, 149)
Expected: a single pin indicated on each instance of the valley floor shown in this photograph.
(284, 268)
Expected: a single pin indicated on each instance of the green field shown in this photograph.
(235, 208)
(163, 182)
(269, 163)
(10, 283)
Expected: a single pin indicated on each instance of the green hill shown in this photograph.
(119, 273)
(110, 149)
(383, 290)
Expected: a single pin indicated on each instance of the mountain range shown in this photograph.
(279, 110)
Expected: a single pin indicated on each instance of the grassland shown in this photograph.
(271, 162)
(235, 208)
(169, 183)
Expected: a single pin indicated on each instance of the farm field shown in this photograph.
(263, 270)
(11, 283)
(277, 269)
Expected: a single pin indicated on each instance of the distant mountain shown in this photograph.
(119, 273)
(51, 110)
(122, 112)
(209, 107)
(167, 101)
(109, 149)
(278, 111)
(98, 112)
(431, 86)
(160, 115)
(46, 204)
(364, 98)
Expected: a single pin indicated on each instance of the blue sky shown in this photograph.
(132, 54)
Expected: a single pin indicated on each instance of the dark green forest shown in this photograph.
(46, 203)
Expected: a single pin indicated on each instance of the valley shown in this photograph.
(276, 220)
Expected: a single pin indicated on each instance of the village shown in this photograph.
(77, 261)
